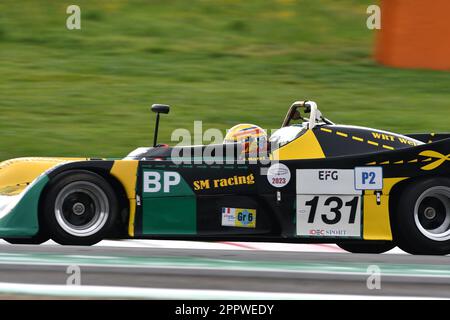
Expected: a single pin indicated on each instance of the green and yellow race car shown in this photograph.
(364, 189)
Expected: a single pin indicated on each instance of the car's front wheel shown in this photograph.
(422, 218)
(80, 208)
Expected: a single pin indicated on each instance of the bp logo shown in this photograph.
(156, 183)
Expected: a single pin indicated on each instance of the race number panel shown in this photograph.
(328, 204)
(335, 216)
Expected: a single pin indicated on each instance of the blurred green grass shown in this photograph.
(87, 92)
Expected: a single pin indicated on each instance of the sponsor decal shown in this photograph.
(368, 178)
(440, 159)
(278, 175)
(224, 182)
(154, 182)
(238, 217)
(326, 181)
(389, 137)
(327, 233)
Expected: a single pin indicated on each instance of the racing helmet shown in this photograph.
(253, 137)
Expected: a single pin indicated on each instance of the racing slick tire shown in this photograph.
(366, 246)
(422, 219)
(80, 208)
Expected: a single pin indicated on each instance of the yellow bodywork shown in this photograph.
(126, 172)
(304, 147)
(376, 220)
(17, 174)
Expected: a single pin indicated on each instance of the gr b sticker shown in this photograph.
(238, 217)
(154, 182)
(278, 175)
(368, 178)
(335, 216)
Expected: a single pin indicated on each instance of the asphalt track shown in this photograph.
(179, 273)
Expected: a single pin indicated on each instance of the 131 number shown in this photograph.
(335, 204)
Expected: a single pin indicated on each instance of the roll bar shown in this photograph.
(315, 116)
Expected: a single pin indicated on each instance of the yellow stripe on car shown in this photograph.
(126, 172)
(342, 134)
(346, 135)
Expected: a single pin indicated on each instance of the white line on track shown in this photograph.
(106, 292)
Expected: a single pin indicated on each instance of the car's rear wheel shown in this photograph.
(422, 218)
(80, 208)
(366, 246)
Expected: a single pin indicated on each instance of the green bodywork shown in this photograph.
(170, 213)
(22, 220)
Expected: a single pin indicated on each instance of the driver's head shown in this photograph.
(253, 137)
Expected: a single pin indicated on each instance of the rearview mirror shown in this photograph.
(161, 108)
(158, 108)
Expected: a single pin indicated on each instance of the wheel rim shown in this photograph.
(432, 213)
(81, 209)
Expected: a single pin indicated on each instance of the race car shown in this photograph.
(311, 181)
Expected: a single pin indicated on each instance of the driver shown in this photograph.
(253, 138)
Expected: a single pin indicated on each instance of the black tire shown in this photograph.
(413, 221)
(38, 239)
(79, 208)
(374, 247)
